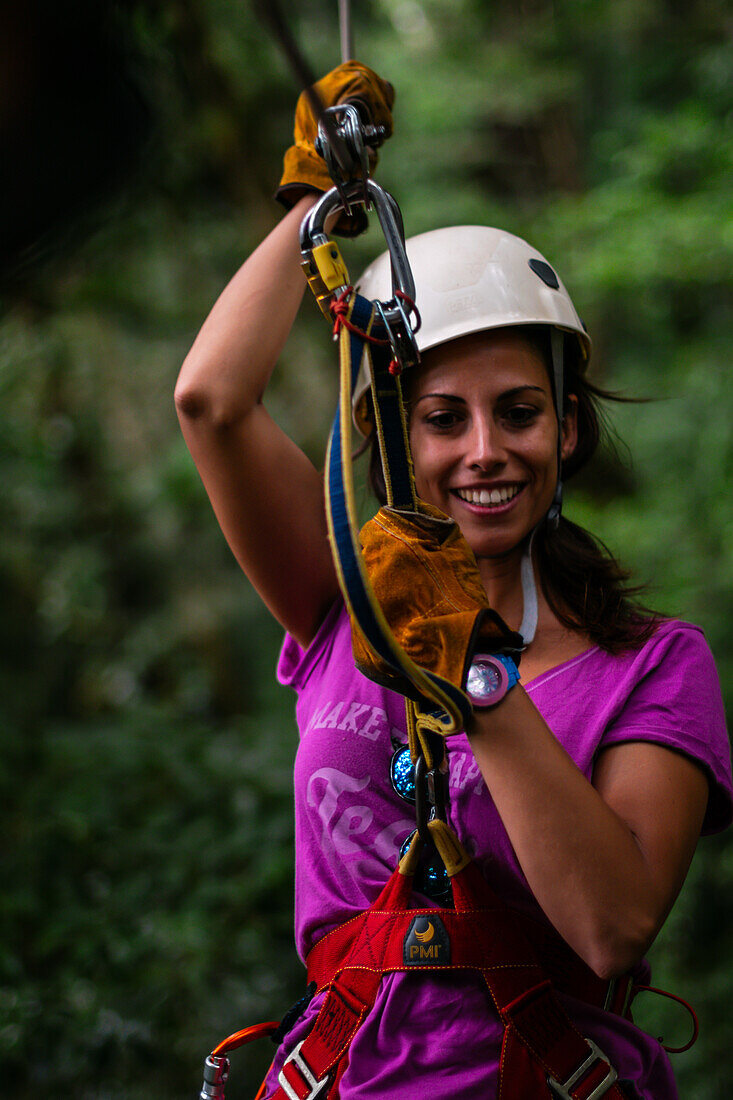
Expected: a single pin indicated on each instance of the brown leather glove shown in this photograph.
(303, 169)
(425, 576)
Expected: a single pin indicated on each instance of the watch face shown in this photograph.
(487, 681)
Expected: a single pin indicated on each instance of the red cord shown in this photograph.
(339, 308)
(690, 1009)
(411, 308)
(247, 1035)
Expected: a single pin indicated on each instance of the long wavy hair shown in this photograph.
(585, 586)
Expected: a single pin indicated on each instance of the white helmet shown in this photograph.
(470, 278)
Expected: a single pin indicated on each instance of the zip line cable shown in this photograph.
(346, 31)
(270, 14)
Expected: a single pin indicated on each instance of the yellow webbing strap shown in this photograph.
(341, 507)
(449, 847)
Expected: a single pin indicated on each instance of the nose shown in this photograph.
(485, 446)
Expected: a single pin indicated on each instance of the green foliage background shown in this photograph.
(146, 751)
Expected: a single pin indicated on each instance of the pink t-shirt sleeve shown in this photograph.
(677, 702)
(295, 664)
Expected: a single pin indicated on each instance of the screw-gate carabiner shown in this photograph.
(399, 331)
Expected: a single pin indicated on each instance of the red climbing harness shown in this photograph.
(522, 963)
(543, 1054)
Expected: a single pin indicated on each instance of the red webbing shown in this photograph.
(544, 1029)
(376, 941)
(486, 936)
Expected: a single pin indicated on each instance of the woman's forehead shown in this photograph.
(495, 359)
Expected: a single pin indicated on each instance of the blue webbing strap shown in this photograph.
(445, 707)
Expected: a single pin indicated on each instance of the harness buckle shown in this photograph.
(316, 1087)
(596, 1055)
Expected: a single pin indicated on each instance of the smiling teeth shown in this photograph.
(489, 496)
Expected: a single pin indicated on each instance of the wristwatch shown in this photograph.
(490, 677)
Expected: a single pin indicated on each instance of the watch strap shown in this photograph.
(511, 666)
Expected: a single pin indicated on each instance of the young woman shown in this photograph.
(581, 795)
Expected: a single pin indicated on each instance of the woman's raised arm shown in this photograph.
(267, 495)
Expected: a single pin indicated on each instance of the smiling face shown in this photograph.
(483, 433)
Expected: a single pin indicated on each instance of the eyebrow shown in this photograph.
(502, 396)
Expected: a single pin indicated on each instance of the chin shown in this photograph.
(493, 547)
(495, 542)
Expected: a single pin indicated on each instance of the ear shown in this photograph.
(570, 428)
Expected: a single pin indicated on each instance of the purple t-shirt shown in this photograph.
(438, 1032)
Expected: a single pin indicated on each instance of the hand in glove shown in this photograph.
(425, 576)
(303, 169)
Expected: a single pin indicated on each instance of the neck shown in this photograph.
(502, 579)
(553, 642)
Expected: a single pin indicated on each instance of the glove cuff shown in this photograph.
(492, 635)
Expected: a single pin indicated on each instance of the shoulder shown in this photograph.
(332, 643)
(672, 637)
(673, 647)
(665, 692)
(675, 662)
(669, 694)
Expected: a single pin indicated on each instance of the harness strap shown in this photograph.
(543, 1054)
(375, 940)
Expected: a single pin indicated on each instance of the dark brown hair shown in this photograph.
(583, 583)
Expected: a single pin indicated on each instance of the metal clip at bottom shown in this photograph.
(316, 1087)
(596, 1055)
(216, 1074)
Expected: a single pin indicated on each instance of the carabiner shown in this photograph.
(423, 807)
(312, 228)
(326, 284)
(430, 796)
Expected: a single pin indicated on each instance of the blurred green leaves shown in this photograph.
(147, 751)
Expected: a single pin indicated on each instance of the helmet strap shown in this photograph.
(557, 341)
(529, 585)
(529, 595)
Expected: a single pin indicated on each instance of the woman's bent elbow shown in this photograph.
(191, 402)
(198, 404)
(617, 951)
